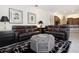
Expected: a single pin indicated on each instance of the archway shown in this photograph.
(56, 20)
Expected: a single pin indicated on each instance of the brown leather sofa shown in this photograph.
(24, 32)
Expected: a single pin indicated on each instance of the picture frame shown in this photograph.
(31, 18)
(15, 16)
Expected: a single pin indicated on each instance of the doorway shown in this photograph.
(56, 20)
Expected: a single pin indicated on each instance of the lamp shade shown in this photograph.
(4, 19)
(40, 22)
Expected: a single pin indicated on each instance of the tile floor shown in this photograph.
(74, 37)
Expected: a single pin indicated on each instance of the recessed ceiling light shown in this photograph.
(36, 5)
(72, 11)
(65, 11)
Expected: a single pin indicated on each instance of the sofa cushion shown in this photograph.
(59, 34)
(20, 31)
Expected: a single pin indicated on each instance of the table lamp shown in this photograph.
(4, 19)
(40, 24)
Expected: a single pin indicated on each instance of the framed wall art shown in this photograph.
(15, 16)
(31, 18)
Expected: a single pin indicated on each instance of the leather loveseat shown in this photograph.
(59, 31)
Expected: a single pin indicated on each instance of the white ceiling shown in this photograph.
(64, 9)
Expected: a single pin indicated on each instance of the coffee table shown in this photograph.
(42, 43)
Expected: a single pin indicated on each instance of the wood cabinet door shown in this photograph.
(73, 21)
(70, 21)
